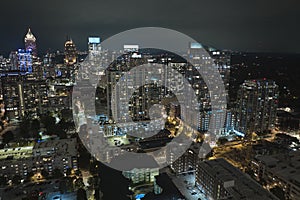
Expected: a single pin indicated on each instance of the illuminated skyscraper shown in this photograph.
(94, 45)
(197, 54)
(70, 53)
(25, 60)
(256, 106)
(30, 43)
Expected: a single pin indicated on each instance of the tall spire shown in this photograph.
(30, 42)
(29, 36)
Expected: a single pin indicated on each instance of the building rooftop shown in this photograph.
(60, 146)
(286, 166)
(169, 190)
(238, 184)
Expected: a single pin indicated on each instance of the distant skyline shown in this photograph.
(253, 26)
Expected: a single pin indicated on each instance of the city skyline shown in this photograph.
(149, 100)
(45, 102)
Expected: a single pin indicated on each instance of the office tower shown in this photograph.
(94, 45)
(25, 60)
(220, 180)
(256, 106)
(70, 53)
(97, 59)
(49, 66)
(30, 43)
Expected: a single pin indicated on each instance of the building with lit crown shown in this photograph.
(30, 43)
(70, 53)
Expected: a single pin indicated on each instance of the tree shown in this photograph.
(222, 141)
(78, 172)
(8, 137)
(62, 186)
(45, 173)
(91, 182)
(65, 126)
(3, 181)
(79, 183)
(69, 183)
(277, 191)
(2, 125)
(81, 194)
(29, 175)
(35, 127)
(24, 128)
(69, 171)
(33, 195)
(16, 179)
(109, 177)
(49, 124)
(67, 114)
(60, 133)
(57, 173)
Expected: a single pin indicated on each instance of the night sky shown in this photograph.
(254, 25)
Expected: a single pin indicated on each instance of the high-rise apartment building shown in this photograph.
(23, 94)
(256, 106)
(201, 56)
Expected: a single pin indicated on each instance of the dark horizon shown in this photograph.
(83, 45)
(248, 26)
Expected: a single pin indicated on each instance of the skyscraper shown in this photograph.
(30, 43)
(256, 106)
(200, 56)
(94, 45)
(70, 52)
(25, 60)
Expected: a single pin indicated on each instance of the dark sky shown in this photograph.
(246, 25)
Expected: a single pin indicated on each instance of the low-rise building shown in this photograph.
(280, 170)
(47, 155)
(220, 180)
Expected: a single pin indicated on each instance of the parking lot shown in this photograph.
(186, 185)
(21, 191)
